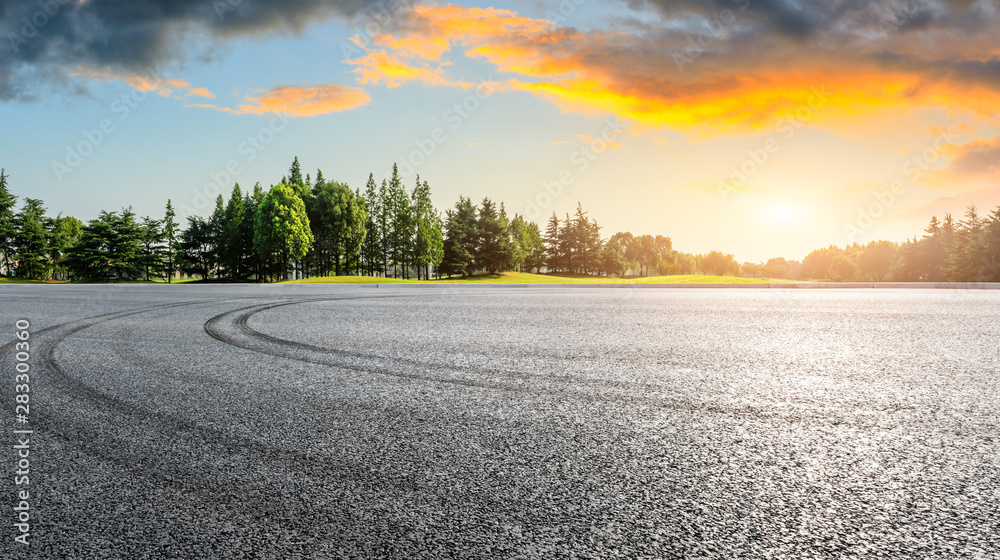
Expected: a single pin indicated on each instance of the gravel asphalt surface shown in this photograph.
(312, 421)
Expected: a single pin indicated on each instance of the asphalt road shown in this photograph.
(474, 422)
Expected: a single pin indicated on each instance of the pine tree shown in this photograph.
(295, 180)
(151, 238)
(459, 239)
(384, 225)
(198, 245)
(534, 248)
(31, 240)
(428, 245)
(553, 248)
(493, 248)
(991, 260)
(8, 202)
(251, 202)
(372, 246)
(966, 256)
(401, 224)
(172, 242)
(217, 233)
(234, 253)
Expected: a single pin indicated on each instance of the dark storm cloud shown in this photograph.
(42, 40)
(804, 19)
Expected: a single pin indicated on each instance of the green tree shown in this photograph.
(533, 246)
(31, 240)
(646, 253)
(198, 243)
(967, 256)
(64, 232)
(295, 180)
(991, 260)
(613, 259)
(716, 263)
(817, 263)
(842, 268)
(778, 268)
(400, 227)
(151, 239)
(251, 202)
(877, 259)
(234, 252)
(171, 238)
(493, 246)
(109, 248)
(338, 221)
(554, 256)
(384, 220)
(428, 242)
(8, 230)
(371, 248)
(459, 238)
(524, 243)
(281, 230)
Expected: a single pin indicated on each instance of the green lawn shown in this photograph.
(349, 280)
(504, 278)
(525, 278)
(4, 280)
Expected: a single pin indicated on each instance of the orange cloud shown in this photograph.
(604, 144)
(201, 92)
(975, 164)
(639, 77)
(380, 68)
(299, 101)
(145, 83)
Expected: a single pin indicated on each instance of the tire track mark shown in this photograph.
(184, 476)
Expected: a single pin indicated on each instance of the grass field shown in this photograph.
(4, 280)
(503, 278)
(525, 278)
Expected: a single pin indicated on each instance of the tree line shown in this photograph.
(305, 226)
(948, 251)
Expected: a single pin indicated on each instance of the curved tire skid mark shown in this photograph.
(82, 437)
(238, 332)
(232, 328)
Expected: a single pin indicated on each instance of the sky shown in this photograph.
(761, 128)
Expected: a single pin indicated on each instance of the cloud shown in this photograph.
(39, 48)
(707, 71)
(146, 83)
(976, 160)
(600, 142)
(819, 20)
(379, 67)
(299, 101)
(201, 92)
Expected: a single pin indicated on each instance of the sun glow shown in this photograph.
(784, 213)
